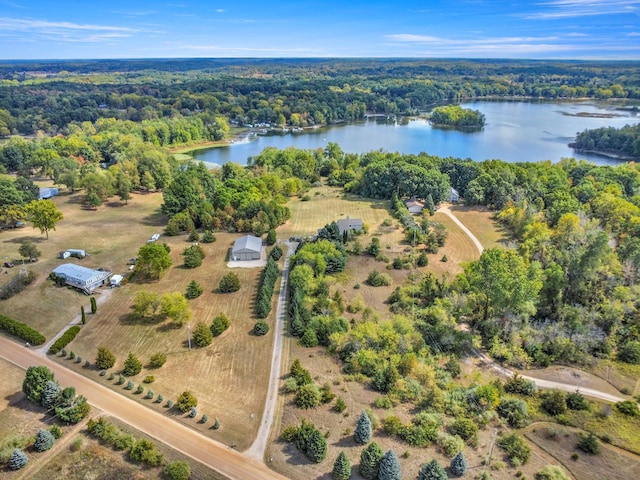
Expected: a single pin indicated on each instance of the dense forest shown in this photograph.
(624, 142)
(51, 96)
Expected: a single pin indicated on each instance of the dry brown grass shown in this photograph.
(111, 235)
(229, 377)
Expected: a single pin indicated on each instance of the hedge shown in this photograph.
(64, 340)
(21, 330)
(265, 291)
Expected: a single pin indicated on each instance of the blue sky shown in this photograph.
(546, 29)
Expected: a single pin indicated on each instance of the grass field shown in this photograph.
(480, 221)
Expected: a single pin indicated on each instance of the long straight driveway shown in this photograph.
(215, 455)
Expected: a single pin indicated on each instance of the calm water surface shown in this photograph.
(514, 132)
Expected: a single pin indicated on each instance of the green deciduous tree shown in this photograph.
(370, 461)
(153, 260)
(157, 360)
(341, 468)
(29, 250)
(44, 215)
(362, 433)
(145, 304)
(105, 359)
(175, 307)
(132, 366)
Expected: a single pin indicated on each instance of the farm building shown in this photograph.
(73, 252)
(349, 225)
(83, 278)
(247, 248)
(414, 205)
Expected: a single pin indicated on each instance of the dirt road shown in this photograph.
(215, 455)
(259, 445)
(445, 209)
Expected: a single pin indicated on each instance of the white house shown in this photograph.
(414, 205)
(83, 278)
(247, 248)
(454, 196)
(349, 225)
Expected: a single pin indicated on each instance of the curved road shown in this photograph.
(259, 445)
(215, 455)
(447, 211)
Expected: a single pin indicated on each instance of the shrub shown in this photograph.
(159, 398)
(194, 236)
(432, 471)
(220, 324)
(157, 360)
(130, 385)
(140, 389)
(516, 448)
(121, 380)
(576, 401)
(628, 407)
(18, 459)
(551, 472)
(87, 364)
(630, 352)
(514, 411)
(204, 419)
(186, 401)
(193, 413)
(56, 431)
(83, 315)
(520, 386)
(72, 355)
(44, 440)
(193, 256)
(178, 470)
(149, 379)
(103, 373)
(208, 237)
(64, 340)
(145, 451)
(271, 237)
(216, 424)
(150, 394)
(15, 286)
(449, 444)
(230, 283)
(589, 444)
(94, 305)
(194, 290)
(554, 402)
(377, 279)
(466, 429)
(169, 403)
(105, 359)
(276, 253)
(132, 366)
(78, 359)
(261, 328)
(309, 338)
(308, 396)
(268, 278)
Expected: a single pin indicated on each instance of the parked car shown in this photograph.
(8, 265)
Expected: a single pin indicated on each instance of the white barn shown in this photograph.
(83, 278)
(247, 248)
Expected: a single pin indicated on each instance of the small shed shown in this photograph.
(83, 278)
(247, 248)
(454, 196)
(115, 280)
(349, 225)
(414, 205)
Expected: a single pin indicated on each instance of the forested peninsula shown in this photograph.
(621, 142)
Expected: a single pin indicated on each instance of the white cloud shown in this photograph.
(582, 8)
(30, 25)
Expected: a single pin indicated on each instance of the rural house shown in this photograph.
(83, 278)
(247, 248)
(454, 195)
(349, 225)
(414, 205)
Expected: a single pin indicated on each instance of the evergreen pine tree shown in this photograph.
(341, 468)
(83, 316)
(132, 366)
(458, 465)
(432, 471)
(370, 461)
(18, 459)
(317, 447)
(50, 394)
(362, 434)
(389, 467)
(44, 440)
(94, 305)
(216, 424)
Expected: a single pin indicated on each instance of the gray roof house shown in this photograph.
(349, 225)
(83, 278)
(247, 248)
(414, 205)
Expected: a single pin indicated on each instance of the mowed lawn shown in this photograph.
(480, 221)
(329, 204)
(229, 377)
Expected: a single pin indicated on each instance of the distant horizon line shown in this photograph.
(490, 59)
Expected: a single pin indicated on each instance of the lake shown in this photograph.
(514, 132)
